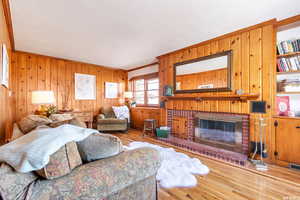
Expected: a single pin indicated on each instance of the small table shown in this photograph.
(149, 127)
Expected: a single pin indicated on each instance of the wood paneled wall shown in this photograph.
(36, 72)
(5, 100)
(139, 114)
(253, 71)
(192, 81)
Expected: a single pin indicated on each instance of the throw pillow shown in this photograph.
(108, 112)
(16, 132)
(76, 122)
(62, 162)
(14, 185)
(61, 117)
(121, 112)
(99, 146)
(30, 122)
(59, 123)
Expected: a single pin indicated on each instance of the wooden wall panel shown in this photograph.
(6, 108)
(139, 114)
(216, 77)
(36, 72)
(253, 68)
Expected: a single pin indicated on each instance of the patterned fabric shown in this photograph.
(62, 162)
(16, 132)
(108, 112)
(111, 124)
(59, 123)
(30, 122)
(61, 117)
(99, 146)
(142, 190)
(105, 179)
(112, 121)
(14, 185)
(121, 112)
(76, 122)
(111, 127)
(73, 121)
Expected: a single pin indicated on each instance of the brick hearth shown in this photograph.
(234, 157)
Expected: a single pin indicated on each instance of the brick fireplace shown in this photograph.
(221, 135)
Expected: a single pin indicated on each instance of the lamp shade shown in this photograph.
(128, 94)
(42, 97)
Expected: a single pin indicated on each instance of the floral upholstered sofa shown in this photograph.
(129, 175)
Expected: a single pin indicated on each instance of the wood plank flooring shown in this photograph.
(227, 181)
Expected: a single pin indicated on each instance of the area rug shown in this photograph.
(177, 169)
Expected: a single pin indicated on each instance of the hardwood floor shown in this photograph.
(227, 181)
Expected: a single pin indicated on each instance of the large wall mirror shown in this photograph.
(206, 74)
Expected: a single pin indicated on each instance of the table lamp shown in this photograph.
(42, 98)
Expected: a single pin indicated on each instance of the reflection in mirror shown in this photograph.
(211, 73)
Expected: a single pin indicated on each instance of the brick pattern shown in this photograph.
(234, 157)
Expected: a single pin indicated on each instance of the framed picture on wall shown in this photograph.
(5, 67)
(111, 90)
(85, 87)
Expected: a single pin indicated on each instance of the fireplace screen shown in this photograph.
(220, 132)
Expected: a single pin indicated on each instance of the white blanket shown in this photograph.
(32, 151)
(177, 169)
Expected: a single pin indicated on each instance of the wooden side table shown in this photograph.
(149, 127)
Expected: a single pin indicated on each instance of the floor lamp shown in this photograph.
(259, 107)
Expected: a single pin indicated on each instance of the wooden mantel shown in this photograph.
(234, 97)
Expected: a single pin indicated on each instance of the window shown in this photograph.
(146, 90)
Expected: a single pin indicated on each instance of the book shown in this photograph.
(288, 46)
(287, 64)
(283, 105)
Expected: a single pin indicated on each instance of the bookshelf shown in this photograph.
(285, 117)
(289, 54)
(285, 131)
(289, 72)
(288, 68)
(288, 92)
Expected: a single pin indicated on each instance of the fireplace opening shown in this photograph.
(219, 131)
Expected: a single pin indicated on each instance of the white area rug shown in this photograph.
(177, 169)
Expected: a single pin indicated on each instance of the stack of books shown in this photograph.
(288, 64)
(288, 46)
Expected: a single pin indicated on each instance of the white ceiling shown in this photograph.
(130, 33)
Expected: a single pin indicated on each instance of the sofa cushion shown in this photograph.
(16, 132)
(61, 117)
(112, 127)
(62, 162)
(14, 185)
(112, 121)
(98, 146)
(59, 123)
(108, 112)
(76, 122)
(30, 122)
(102, 178)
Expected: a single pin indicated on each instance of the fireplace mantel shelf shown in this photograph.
(234, 97)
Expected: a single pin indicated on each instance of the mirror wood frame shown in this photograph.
(229, 73)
